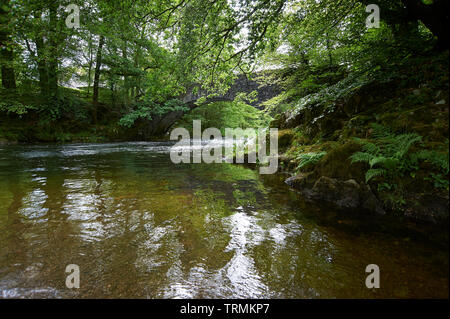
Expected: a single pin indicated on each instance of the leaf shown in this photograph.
(374, 172)
(377, 160)
(361, 157)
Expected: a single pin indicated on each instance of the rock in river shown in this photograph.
(347, 194)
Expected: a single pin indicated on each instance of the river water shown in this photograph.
(139, 226)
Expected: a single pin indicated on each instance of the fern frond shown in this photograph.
(379, 160)
(381, 132)
(374, 172)
(361, 157)
(371, 148)
(440, 160)
(402, 143)
(309, 158)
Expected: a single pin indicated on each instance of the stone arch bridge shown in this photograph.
(161, 125)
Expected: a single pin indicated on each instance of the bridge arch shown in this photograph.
(162, 124)
(241, 85)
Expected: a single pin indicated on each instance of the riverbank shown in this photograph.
(29, 131)
(377, 146)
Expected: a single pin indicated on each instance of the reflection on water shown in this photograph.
(140, 226)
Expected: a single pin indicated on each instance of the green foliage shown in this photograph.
(299, 83)
(327, 97)
(440, 162)
(147, 110)
(236, 114)
(387, 153)
(439, 159)
(309, 159)
(141, 54)
(326, 52)
(15, 107)
(142, 112)
(438, 180)
(395, 200)
(66, 106)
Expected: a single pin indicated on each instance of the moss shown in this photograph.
(418, 103)
(337, 163)
(285, 138)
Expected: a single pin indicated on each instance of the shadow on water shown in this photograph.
(140, 226)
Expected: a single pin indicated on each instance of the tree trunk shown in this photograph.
(42, 66)
(53, 53)
(6, 52)
(125, 77)
(330, 55)
(112, 88)
(98, 65)
(434, 16)
(89, 67)
(8, 74)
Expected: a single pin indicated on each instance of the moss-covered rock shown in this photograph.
(402, 105)
(285, 138)
(342, 194)
(337, 164)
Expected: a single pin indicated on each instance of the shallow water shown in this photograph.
(139, 226)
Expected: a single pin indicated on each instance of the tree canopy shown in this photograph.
(137, 55)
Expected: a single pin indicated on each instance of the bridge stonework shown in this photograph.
(161, 125)
(241, 85)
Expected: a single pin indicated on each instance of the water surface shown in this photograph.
(139, 226)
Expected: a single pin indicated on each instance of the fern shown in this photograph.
(381, 132)
(361, 157)
(309, 158)
(374, 172)
(386, 153)
(402, 143)
(439, 160)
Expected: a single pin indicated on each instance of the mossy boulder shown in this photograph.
(285, 138)
(427, 207)
(4, 141)
(341, 194)
(337, 164)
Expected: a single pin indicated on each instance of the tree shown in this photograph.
(6, 49)
(98, 65)
(405, 15)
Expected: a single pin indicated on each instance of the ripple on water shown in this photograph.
(140, 226)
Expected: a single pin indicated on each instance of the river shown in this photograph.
(139, 226)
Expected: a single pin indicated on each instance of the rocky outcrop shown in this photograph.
(6, 142)
(329, 121)
(344, 195)
(349, 195)
(431, 208)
